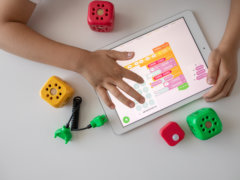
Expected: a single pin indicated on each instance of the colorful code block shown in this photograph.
(164, 71)
(200, 72)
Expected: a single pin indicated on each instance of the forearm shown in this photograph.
(231, 35)
(17, 38)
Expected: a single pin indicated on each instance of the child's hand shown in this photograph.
(104, 74)
(222, 72)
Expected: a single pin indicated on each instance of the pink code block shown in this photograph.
(156, 83)
(161, 75)
(172, 61)
(201, 76)
(156, 62)
(199, 67)
(173, 83)
(164, 66)
(167, 73)
(168, 77)
(157, 76)
(183, 79)
(201, 71)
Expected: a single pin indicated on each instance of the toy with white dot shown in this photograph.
(204, 124)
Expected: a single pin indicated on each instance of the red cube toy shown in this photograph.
(101, 16)
(172, 133)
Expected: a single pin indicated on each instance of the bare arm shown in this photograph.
(231, 36)
(223, 60)
(16, 37)
(99, 68)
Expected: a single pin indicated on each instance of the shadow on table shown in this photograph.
(122, 21)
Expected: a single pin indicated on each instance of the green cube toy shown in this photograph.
(204, 123)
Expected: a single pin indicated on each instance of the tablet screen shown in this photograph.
(171, 65)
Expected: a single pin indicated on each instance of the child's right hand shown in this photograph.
(104, 74)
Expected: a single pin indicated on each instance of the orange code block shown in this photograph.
(56, 92)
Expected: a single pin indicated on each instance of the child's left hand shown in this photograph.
(222, 72)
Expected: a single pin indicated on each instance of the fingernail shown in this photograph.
(206, 98)
(131, 104)
(130, 54)
(210, 81)
(142, 100)
(112, 106)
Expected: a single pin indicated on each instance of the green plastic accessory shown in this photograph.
(98, 121)
(64, 133)
(204, 123)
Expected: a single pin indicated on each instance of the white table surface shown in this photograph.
(29, 151)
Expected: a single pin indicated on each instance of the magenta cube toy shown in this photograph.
(101, 16)
(172, 133)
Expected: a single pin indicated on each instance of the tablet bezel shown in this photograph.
(204, 49)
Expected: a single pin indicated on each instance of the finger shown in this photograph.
(217, 88)
(104, 95)
(130, 91)
(132, 76)
(117, 55)
(213, 67)
(223, 93)
(116, 93)
(230, 91)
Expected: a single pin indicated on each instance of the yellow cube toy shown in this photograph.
(56, 92)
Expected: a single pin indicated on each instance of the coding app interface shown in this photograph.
(172, 68)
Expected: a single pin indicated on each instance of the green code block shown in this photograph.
(204, 123)
(183, 86)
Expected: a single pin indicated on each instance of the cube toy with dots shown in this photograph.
(204, 123)
(56, 92)
(172, 133)
(101, 16)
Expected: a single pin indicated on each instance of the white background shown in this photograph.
(29, 151)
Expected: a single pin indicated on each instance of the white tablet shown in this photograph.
(171, 58)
